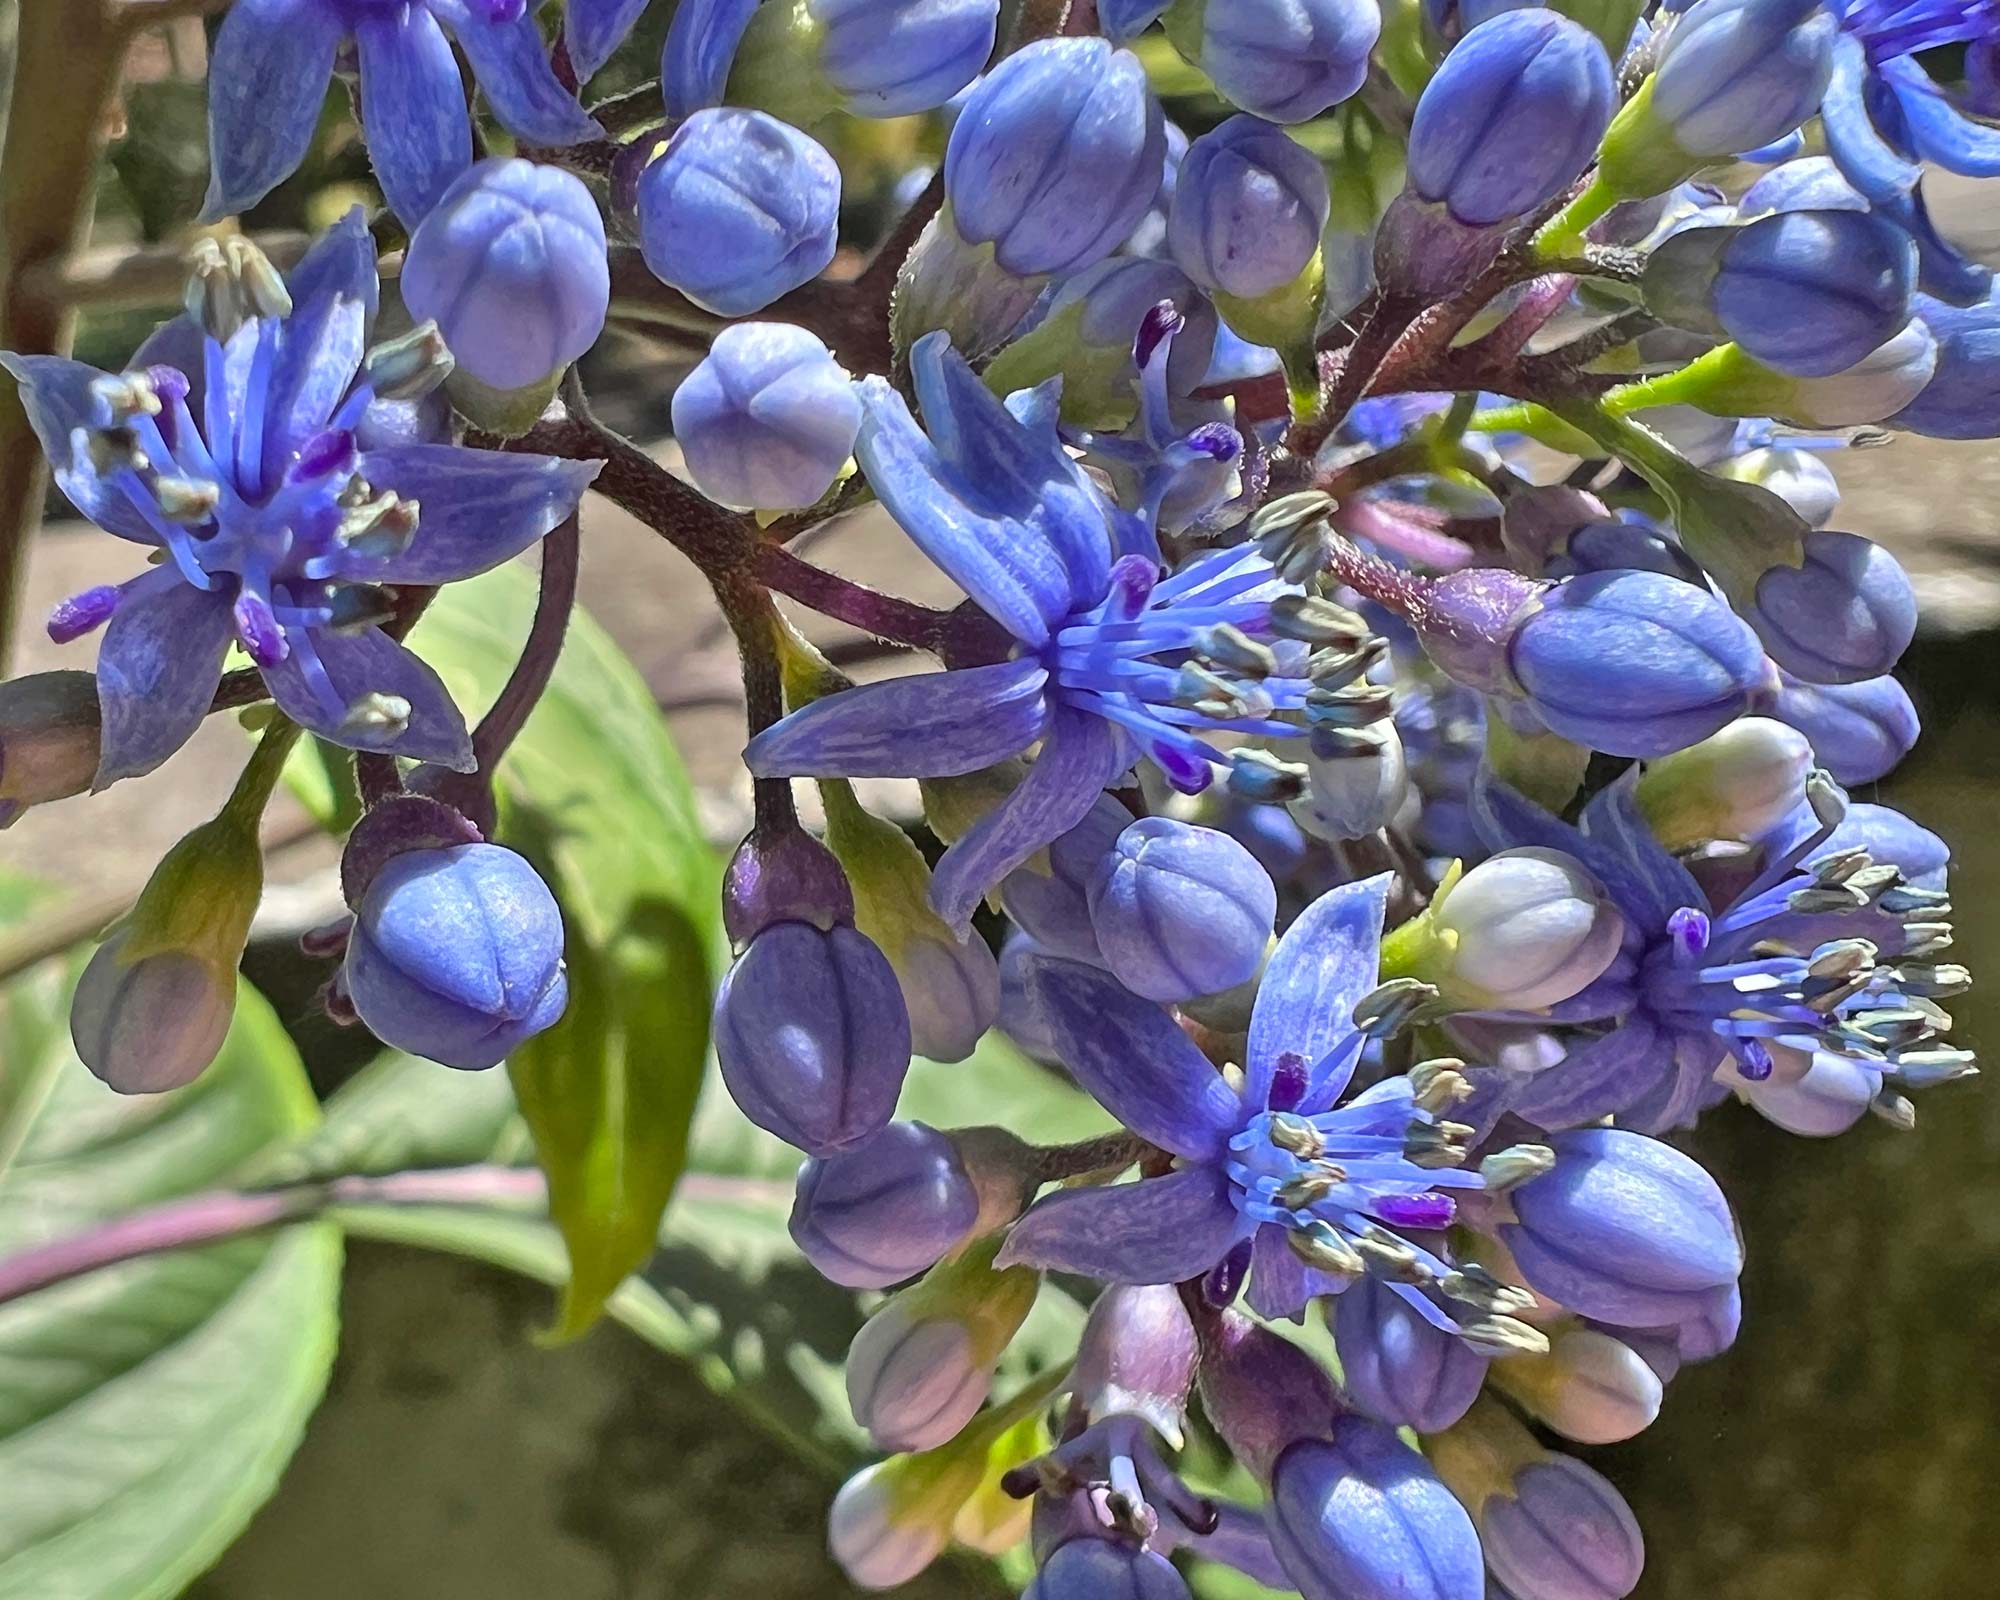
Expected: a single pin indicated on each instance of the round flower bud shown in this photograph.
(1736, 784)
(1100, 1569)
(1180, 910)
(49, 739)
(511, 266)
(1053, 906)
(1562, 1533)
(1512, 117)
(875, 1216)
(1396, 1365)
(1356, 781)
(1361, 1516)
(151, 1024)
(1962, 398)
(1858, 731)
(1736, 74)
(738, 209)
(952, 990)
(813, 1036)
(1248, 209)
(1590, 1387)
(883, 1529)
(890, 58)
(1523, 930)
(1635, 663)
(456, 955)
(1285, 60)
(1623, 1230)
(1800, 478)
(1846, 615)
(768, 418)
(1056, 156)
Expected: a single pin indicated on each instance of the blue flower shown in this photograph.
(1884, 115)
(276, 525)
(1111, 660)
(274, 58)
(1824, 951)
(1277, 1174)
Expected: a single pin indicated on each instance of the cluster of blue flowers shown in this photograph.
(1390, 756)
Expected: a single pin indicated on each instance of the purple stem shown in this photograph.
(531, 674)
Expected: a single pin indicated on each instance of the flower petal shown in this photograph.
(478, 508)
(701, 43)
(512, 65)
(1132, 1057)
(156, 671)
(1598, 1078)
(1323, 965)
(1864, 157)
(369, 662)
(1158, 1230)
(1612, 818)
(413, 104)
(928, 725)
(55, 392)
(1079, 756)
(593, 29)
(1280, 1283)
(1941, 135)
(334, 293)
(1623, 854)
(267, 79)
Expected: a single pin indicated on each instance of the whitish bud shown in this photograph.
(1738, 783)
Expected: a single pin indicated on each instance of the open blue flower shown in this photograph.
(1112, 660)
(1278, 1170)
(1884, 115)
(244, 463)
(1820, 953)
(274, 58)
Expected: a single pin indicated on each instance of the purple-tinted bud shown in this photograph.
(1180, 910)
(1563, 1533)
(1846, 615)
(1286, 60)
(1512, 117)
(1712, 1326)
(1858, 731)
(1397, 1366)
(1056, 157)
(1263, 1393)
(1538, 520)
(870, 1218)
(1590, 1387)
(738, 209)
(1248, 209)
(1053, 907)
(1624, 1230)
(147, 1025)
(1138, 1357)
(1613, 545)
(1466, 619)
(768, 418)
(456, 955)
(1101, 1569)
(1635, 663)
(889, 58)
(1735, 74)
(1962, 399)
(813, 1036)
(1812, 184)
(1361, 1516)
(791, 877)
(510, 265)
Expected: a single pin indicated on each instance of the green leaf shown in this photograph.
(146, 1409)
(594, 792)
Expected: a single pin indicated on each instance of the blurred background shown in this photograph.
(1845, 1450)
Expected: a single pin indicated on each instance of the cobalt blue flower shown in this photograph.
(1825, 948)
(1512, 117)
(1279, 1175)
(738, 209)
(1056, 156)
(274, 58)
(1962, 398)
(1248, 208)
(1735, 74)
(1113, 661)
(767, 419)
(276, 527)
(1845, 614)
(456, 955)
(1884, 115)
(510, 265)
(1284, 60)
(1858, 731)
(1180, 911)
(872, 1217)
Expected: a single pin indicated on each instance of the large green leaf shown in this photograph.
(594, 791)
(147, 1409)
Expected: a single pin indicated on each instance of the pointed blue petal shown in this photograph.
(929, 725)
(1132, 1057)
(1612, 818)
(413, 104)
(1158, 1230)
(1598, 1078)
(701, 44)
(1322, 966)
(1939, 132)
(156, 672)
(478, 508)
(511, 64)
(1079, 756)
(320, 345)
(1864, 157)
(266, 80)
(371, 662)
(55, 392)
(594, 29)
(1280, 1283)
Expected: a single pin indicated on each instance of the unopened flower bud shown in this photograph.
(1105, 1569)
(1847, 614)
(1180, 910)
(1398, 1367)
(1052, 903)
(456, 954)
(921, 1367)
(1138, 1356)
(1248, 209)
(1800, 478)
(1262, 1392)
(872, 1217)
(1285, 60)
(870, 58)
(1736, 784)
(893, 1519)
(1590, 1387)
(1356, 781)
(767, 419)
(48, 739)
(1523, 930)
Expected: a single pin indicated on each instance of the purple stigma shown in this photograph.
(169, 383)
(82, 613)
(1288, 1081)
(1755, 1058)
(262, 638)
(1216, 440)
(1159, 324)
(329, 451)
(1688, 928)
(1132, 581)
(1428, 1210)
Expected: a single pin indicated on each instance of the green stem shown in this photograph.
(254, 785)
(1563, 236)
